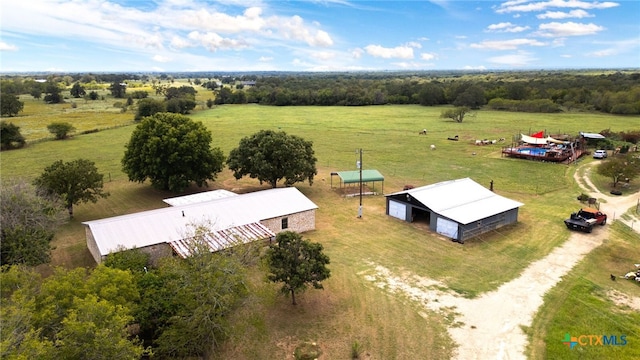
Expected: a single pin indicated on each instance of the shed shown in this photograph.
(459, 209)
(231, 219)
(353, 177)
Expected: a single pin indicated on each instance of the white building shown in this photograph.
(230, 217)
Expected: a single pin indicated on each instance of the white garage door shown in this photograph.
(397, 210)
(447, 227)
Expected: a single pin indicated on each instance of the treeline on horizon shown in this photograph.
(612, 92)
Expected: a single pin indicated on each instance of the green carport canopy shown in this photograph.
(353, 177)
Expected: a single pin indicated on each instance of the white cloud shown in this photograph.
(7, 47)
(554, 29)
(322, 55)
(514, 60)
(528, 6)
(265, 59)
(469, 67)
(178, 42)
(398, 52)
(160, 58)
(506, 27)
(617, 48)
(506, 44)
(203, 19)
(294, 28)
(568, 56)
(414, 44)
(214, 42)
(578, 14)
(427, 56)
(357, 53)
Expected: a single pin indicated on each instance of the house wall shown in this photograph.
(155, 252)
(298, 222)
(92, 246)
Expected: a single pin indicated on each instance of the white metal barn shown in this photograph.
(231, 217)
(459, 209)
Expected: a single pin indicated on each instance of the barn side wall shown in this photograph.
(298, 222)
(488, 224)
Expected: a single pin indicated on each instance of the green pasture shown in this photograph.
(351, 309)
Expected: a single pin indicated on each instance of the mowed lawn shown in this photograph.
(350, 308)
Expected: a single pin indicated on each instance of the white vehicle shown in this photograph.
(600, 154)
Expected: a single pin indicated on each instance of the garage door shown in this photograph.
(397, 210)
(447, 227)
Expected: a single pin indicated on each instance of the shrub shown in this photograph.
(60, 130)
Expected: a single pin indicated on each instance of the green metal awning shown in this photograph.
(353, 177)
(350, 177)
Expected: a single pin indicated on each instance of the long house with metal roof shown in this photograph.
(230, 219)
(459, 209)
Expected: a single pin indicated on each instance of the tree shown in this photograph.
(457, 114)
(118, 89)
(472, 97)
(620, 168)
(69, 315)
(10, 105)
(93, 95)
(10, 137)
(202, 289)
(75, 181)
(296, 263)
(172, 151)
(148, 107)
(60, 130)
(77, 90)
(180, 105)
(271, 156)
(54, 94)
(27, 225)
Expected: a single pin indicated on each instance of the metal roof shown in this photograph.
(592, 135)
(350, 177)
(171, 224)
(461, 200)
(199, 197)
(223, 239)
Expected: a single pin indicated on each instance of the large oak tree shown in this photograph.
(271, 156)
(75, 182)
(172, 151)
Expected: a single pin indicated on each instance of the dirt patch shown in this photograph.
(624, 301)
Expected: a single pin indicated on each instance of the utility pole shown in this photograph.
(360, 167)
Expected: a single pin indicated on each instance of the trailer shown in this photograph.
(585, 219)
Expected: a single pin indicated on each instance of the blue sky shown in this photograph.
(320, 35)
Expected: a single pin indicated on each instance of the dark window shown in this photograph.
(285, 223)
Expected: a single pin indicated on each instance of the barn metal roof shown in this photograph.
(171, 224)
(461, 200)
(223, 239)
(350, 177)
(199, 197)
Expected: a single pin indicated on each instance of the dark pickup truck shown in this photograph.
(585, 219)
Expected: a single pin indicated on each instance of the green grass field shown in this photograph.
(350, 309)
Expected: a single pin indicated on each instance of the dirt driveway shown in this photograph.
(489, 326)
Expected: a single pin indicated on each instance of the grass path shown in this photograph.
(490, 326)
